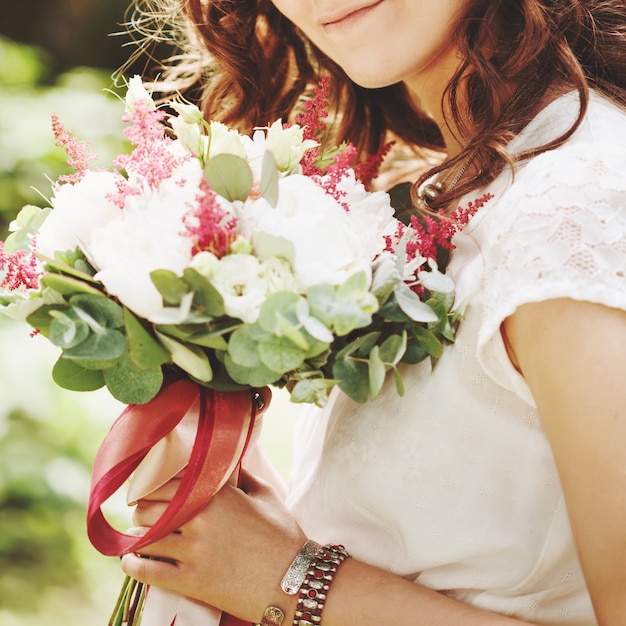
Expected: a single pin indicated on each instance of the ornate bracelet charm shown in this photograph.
(316, 584)
(272, 616)
(293, 578)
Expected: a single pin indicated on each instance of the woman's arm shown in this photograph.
(573, 356)
(234, 554)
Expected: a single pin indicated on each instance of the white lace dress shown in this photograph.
(454, 485)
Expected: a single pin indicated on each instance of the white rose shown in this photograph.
(238, 279)
(311, 230)
(78, 210)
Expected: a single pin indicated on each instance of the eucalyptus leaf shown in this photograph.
(229, 176)
(354, 378)
(42, 318)
(258, 376)
(243, 347)
(70, 375)
(104, 345)
(171, 286)
(67, 285)
(399, 382)
(312, 391)
(376, 371)
(410, 303)
(269, 179)
(99, 309)
(280, 354)
(72, 264)
(189, 358)
(67, 329)
(131, 385)
(427, 340)
(145, 350)
(28, 222)
(207, 298)
(393, 348)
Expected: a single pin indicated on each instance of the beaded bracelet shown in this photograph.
(316, 584)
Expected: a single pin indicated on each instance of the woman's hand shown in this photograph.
(233, 555)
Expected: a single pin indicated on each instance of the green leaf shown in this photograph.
(145, 351)
(68, 286)
(42, 318)
(28, 222)
(258, 376)
(376, 369)
(269, 179)
(361, 345)
(277, 309)
(131, 385)
(70, 375)
(229, 176)
(171, 287)
(399, 383)
(312, 390)
(72, 263)
(427, 340)
(353, 378)
(67, 329)
(393, 348)
(104, 345)
(280, 354)
(207, 298)
(98, 309)
(411, 304)
(243, 347)
(189, 358)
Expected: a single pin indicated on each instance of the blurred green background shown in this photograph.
(58, 56)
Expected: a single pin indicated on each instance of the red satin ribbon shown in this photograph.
(217, 450)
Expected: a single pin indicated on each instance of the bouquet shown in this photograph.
(227, 262)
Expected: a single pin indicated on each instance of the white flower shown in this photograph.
(287, 146)
(147, 236)
(311, 230)
(238, 279)
(278, 275)
(189, 113)
(205, 263)
(224, 140)
(137, 93)
(79, 209)
(190, 136)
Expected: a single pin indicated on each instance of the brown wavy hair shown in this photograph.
(252, 66)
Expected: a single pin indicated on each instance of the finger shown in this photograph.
(148, 513)
(251, 484)
(165, 492)
(152, 571)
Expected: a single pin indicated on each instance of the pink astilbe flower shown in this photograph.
(335, 173)
(433, 233)
(21, 269)
(152, 161)
(368, 170)
(313, 124)
(78, 153)
(210, 227)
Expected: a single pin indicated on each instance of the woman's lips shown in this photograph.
(347, 17)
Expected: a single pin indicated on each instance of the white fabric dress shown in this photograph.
(454, 485)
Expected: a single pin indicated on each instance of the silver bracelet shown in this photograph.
(294, 577)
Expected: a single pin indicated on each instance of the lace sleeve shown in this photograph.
(559, 231)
